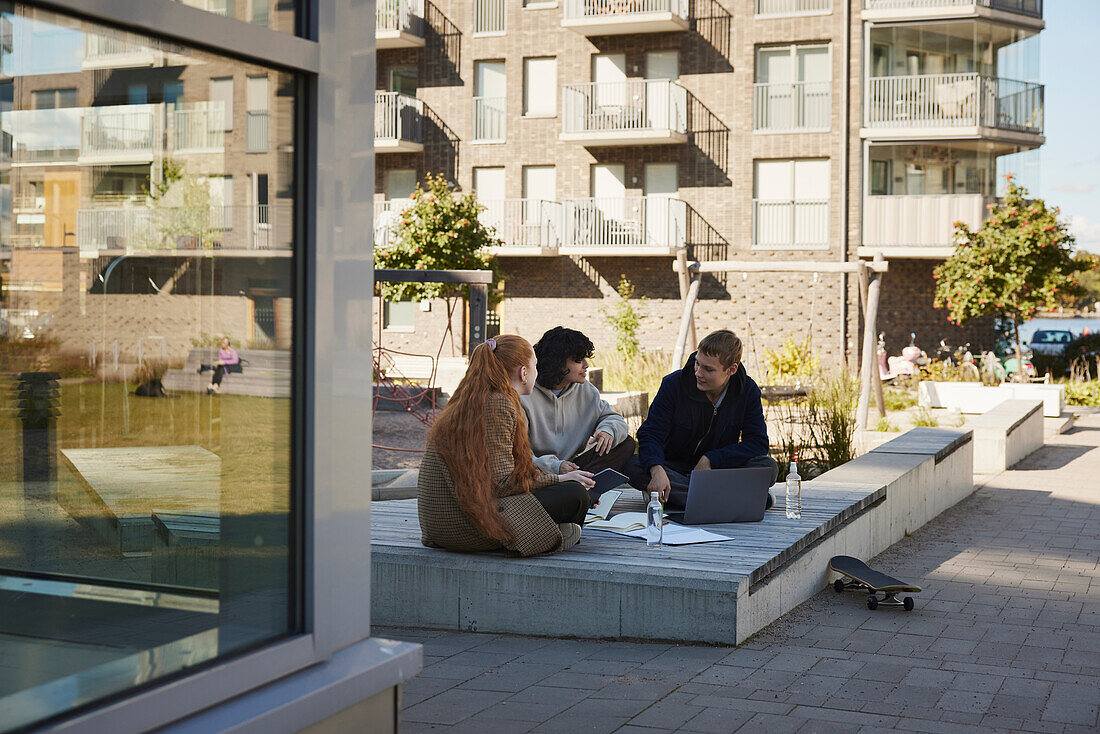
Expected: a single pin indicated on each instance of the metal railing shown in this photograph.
(947, 100)
(489, 16)
(387, 217)
(256, 132)
(792, 7)
(399, 16)
(201, 129)
(397, 117)
(792, 106)
(523, 222)
(920, 220)
(790, 224)
(631, 105)
(121, 130)
(579, 9)
(489, 118)
(106, 48)
(247, 227)
(638, 221)
(1025, 7)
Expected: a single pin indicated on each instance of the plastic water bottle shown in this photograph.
(794, 491)
(654, 522)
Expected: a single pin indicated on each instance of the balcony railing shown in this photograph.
(489, 16)
(256, 227)
(635, 111)
(524, 222)
(103, 51)
(489, 118)
(658, 222)
(1025, 7)
(256, 132)
(793, 7)
(793, 106)
(608, 17)
(387, 216)
(920, 221)
(779, 225)
(119, 133)
(397, 122)
(399, 24)
(954, 100)
(200, 130)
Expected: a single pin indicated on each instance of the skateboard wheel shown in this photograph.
(907, 602)
(872, 603)
(838, 585)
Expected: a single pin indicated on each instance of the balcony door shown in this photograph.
(539, 206)
(490, 91)
(608, 215)
(489, 186)
(661, 185)
(609, 74)
(660, 65)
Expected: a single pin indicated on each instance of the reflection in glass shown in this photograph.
(146, 213)
(278, 15)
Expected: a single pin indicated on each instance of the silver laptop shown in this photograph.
(725, 495)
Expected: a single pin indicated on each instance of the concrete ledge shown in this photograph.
(973, 397)
(393, 484)
(1006, 434)
(952, 473)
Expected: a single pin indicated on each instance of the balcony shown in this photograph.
(639, 225)
(953, 106)
(784, 8)
(631, 112)
(618, 17)
(256, 132)
(116, 52)
(387, 215)
(918, 226)
(489, 119)
(790, 225)
(199, 129)
(526, 226)
(234, 229)
(122, 134)
(398, 123)
(793, 107)
(1025, 12)
(399, 24)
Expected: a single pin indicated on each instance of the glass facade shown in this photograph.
(147, 234)
(276, 15)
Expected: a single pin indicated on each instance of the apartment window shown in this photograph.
(489, 101)
(880, 178)
(489, 17)
(399, 183)
(53, 99)
(792, 90)
(491, 193)
(399, 316)
(780, 8)
(173, 94)
(259, 12)
(221, 95)
(791, 204)
(137, 94)
(256, 116)
(540, 83)
(539, 206)
(404, 80)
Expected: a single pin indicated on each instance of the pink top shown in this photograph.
(228, 356)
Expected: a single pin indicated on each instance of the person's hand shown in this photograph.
(602, 441)
(658, 482)
(578, 475)
(703, 465)
(567, 466)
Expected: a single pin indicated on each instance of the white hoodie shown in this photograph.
(560, 425)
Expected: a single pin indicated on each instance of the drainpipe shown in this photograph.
(846, 103)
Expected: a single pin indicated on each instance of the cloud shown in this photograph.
(1086, 232)
(1069, 188)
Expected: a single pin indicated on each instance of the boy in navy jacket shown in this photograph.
(705, 416)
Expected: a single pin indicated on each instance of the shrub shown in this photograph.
(1085, 393)
(831, 419)
(624, 319)
(643, 371)
(897, 399)
(790, 363)
(151, 370)
(885, 426)
(924, 417)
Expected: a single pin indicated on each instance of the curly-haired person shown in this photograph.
(571, 426)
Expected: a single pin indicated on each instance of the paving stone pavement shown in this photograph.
(1005, 637)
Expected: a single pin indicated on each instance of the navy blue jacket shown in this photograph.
(680, 413)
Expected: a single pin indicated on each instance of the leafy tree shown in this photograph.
(1019, 260)
(1088, 269)
(624, 319)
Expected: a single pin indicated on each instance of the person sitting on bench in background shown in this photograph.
(228, 361)
(571, 426)
(705, 416)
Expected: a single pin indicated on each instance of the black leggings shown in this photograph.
(564, 501)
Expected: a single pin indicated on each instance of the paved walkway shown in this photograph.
(1006, 636)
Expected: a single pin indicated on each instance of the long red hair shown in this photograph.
(460, 430)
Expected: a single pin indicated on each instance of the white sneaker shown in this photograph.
(570, 534)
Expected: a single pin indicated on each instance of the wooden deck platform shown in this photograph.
(611, 586)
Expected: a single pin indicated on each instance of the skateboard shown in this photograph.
(864, 578)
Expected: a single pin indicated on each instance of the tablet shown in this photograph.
(605, 480)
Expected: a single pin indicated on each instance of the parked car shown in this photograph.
(1050, 342)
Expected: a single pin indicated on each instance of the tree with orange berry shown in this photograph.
(1018, 261)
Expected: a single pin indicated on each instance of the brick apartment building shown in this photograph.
(604, 136)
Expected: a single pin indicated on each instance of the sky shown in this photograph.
(1070, 160)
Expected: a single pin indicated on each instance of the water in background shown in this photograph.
(1075, 325)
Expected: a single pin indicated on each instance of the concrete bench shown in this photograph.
(972, 397)
(265, 373)
(186, 548)
(1006, 434)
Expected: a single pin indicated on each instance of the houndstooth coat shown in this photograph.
(443, 524)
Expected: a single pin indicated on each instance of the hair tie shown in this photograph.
(492, 344)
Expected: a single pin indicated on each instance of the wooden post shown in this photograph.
(868, 365)
(876, 375)
(682, 273)
(685, 321)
